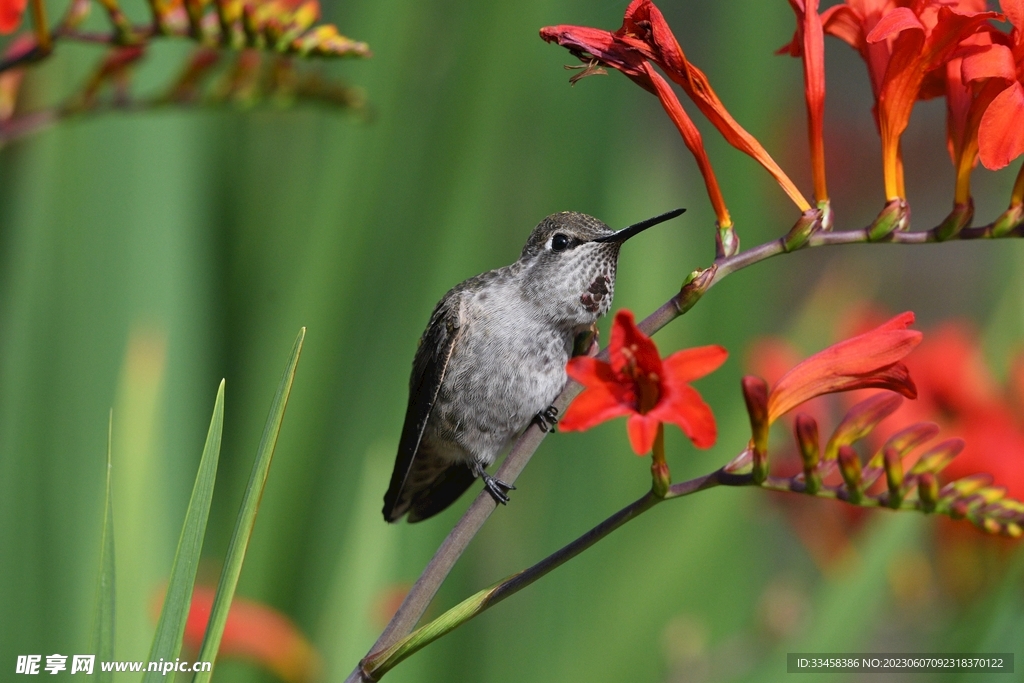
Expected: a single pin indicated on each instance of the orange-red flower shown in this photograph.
(593, 45)
(809, 43)
(869, 360)
(255, 632)
(639, 383)
(902, 42)
(972, 82)
(645, 37)
(1001, 135)
(11, 12)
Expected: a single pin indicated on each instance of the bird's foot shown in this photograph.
(547, 419)
(496, 487)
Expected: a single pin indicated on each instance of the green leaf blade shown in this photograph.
(170, 628)
(247, 515)
(103, 635)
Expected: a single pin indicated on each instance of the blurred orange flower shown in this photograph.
(257, 633)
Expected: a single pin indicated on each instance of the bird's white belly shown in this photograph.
(496, 385)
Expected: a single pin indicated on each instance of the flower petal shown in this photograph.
(591, 408)
(690, 364)
(629, 343)
(691, 136)
(994, 61)
(1001, 135)
(642, 429)
(893, 23)
(686, 408)
(842, 22)
(1014, 11)
(645, 27)
(590, 372)
(867, 360)
(605, 46)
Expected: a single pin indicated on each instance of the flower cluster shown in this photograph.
(975, 472)
(913, 49)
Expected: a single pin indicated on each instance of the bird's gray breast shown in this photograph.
(508, 366)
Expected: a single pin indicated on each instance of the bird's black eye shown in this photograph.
(559, 242)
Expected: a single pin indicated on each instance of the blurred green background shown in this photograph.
(145, 256)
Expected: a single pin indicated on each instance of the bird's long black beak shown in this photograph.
(624, 234)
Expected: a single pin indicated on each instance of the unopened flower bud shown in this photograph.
(1010, 219)
(755, 393)
(694, 286)
(928, 491)
(827, 217)
(810, 451)
(991, 526)
(849, 467)
(661, 478)
(893, 218)
(935, 459)
(957, 220)
(807, 225)
(893, 476)
(861, 419)
(727, 242)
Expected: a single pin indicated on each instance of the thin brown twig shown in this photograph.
(376, 665)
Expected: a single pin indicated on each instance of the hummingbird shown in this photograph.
(493, 357)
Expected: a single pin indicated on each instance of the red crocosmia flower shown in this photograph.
(903, 43)
(645, 35)
(255, 632)
(639, 383)
(1001, 134)
(869, 360)
(10, 15)
(809, 43)
(596, 45)
(972, 83)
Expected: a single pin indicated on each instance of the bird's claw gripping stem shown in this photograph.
(547, 419)
(496, 487)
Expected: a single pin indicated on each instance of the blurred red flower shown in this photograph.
(639, 383)
(11, 12)
(255, 632)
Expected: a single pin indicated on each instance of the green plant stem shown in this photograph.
(379, 663)
(458, 539)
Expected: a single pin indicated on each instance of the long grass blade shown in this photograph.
(103, 634)
(247, 515)
(170, 628)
